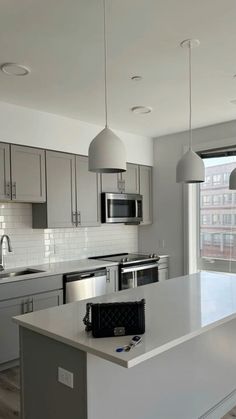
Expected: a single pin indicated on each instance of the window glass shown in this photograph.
(217, 235)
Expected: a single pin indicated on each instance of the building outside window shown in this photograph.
(227, 219)
(216, 199)
(227, 198)
(217, 179)
(206, 200)
(217, 222)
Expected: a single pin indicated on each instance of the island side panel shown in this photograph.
(42, 396)
(182, 383)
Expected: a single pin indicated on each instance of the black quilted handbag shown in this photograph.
(115, 319)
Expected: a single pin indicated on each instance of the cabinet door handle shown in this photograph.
(13, 190)
(79, 218)
(74, 218)
(30, 306)
(8, 190)
(24, 307)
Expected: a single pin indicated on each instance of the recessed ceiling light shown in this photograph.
(141, 110)
(136, 78)
(14, 69)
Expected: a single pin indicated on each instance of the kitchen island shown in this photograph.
(185, 367)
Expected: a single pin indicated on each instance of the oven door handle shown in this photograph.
(139, 268)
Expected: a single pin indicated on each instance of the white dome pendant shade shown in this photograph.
(107, 153)
(232, 180)
(190, 168)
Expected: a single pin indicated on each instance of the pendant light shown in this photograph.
(190, 168)
(106, 152)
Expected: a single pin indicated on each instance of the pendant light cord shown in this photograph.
(190, 96)
(105, 60)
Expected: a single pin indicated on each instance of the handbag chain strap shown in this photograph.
(86, 320)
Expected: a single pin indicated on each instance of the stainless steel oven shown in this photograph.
(137, 275)
(121, 208)
(134, 269)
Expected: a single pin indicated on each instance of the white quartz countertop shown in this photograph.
(58, 268)
(176, 310)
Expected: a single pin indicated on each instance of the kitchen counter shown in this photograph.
(57, 268)
(184, 368)
(176, 311)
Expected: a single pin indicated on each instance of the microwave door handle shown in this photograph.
(136, 208)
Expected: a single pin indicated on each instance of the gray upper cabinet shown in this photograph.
(22, 173)
(60, 208)
(145, 178)
(131, 179)
(28, 174)
(88, 194)
(5, 176)
(110, 182)
(60, 189)
(125, 182)
(73, 193)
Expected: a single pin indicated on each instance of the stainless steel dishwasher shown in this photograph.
(82, 285)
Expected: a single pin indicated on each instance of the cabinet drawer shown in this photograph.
(30, 286)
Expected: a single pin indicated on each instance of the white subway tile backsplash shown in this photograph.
(32, 247)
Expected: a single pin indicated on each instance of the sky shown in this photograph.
(219, 160)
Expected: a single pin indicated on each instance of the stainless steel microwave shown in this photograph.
(121, 208)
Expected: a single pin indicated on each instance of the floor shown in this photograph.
(10, 395)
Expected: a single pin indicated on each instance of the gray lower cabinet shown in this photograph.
(88, 188)
(73, 193)
(145, 179)
(9, 348)
(27, 174)
(5, 175)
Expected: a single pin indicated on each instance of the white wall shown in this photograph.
(40, 129)
(168, 195)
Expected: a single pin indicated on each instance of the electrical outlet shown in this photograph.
(65, 377)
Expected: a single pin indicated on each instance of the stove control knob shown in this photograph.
(125, 259)
(153, 255)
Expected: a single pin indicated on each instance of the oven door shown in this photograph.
(135, 276)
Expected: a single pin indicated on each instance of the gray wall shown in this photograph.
(168, 195)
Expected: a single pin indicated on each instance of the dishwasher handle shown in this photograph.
(79, 276)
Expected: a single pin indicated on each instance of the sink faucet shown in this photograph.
(4, 236)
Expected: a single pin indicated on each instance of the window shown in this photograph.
(217, 199)
(227, 198)
(217, 179)
(227, 219)
(216, 219)
(228, 240)
(216, 239)
(226, 177)
(206, 200)
(206, 219)
(217, 227)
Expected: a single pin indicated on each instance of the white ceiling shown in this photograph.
(62, 42)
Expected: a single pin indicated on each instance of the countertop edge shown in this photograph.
(136, 360)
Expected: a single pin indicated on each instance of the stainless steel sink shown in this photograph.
(19, 273)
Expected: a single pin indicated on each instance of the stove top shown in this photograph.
(128, 258)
